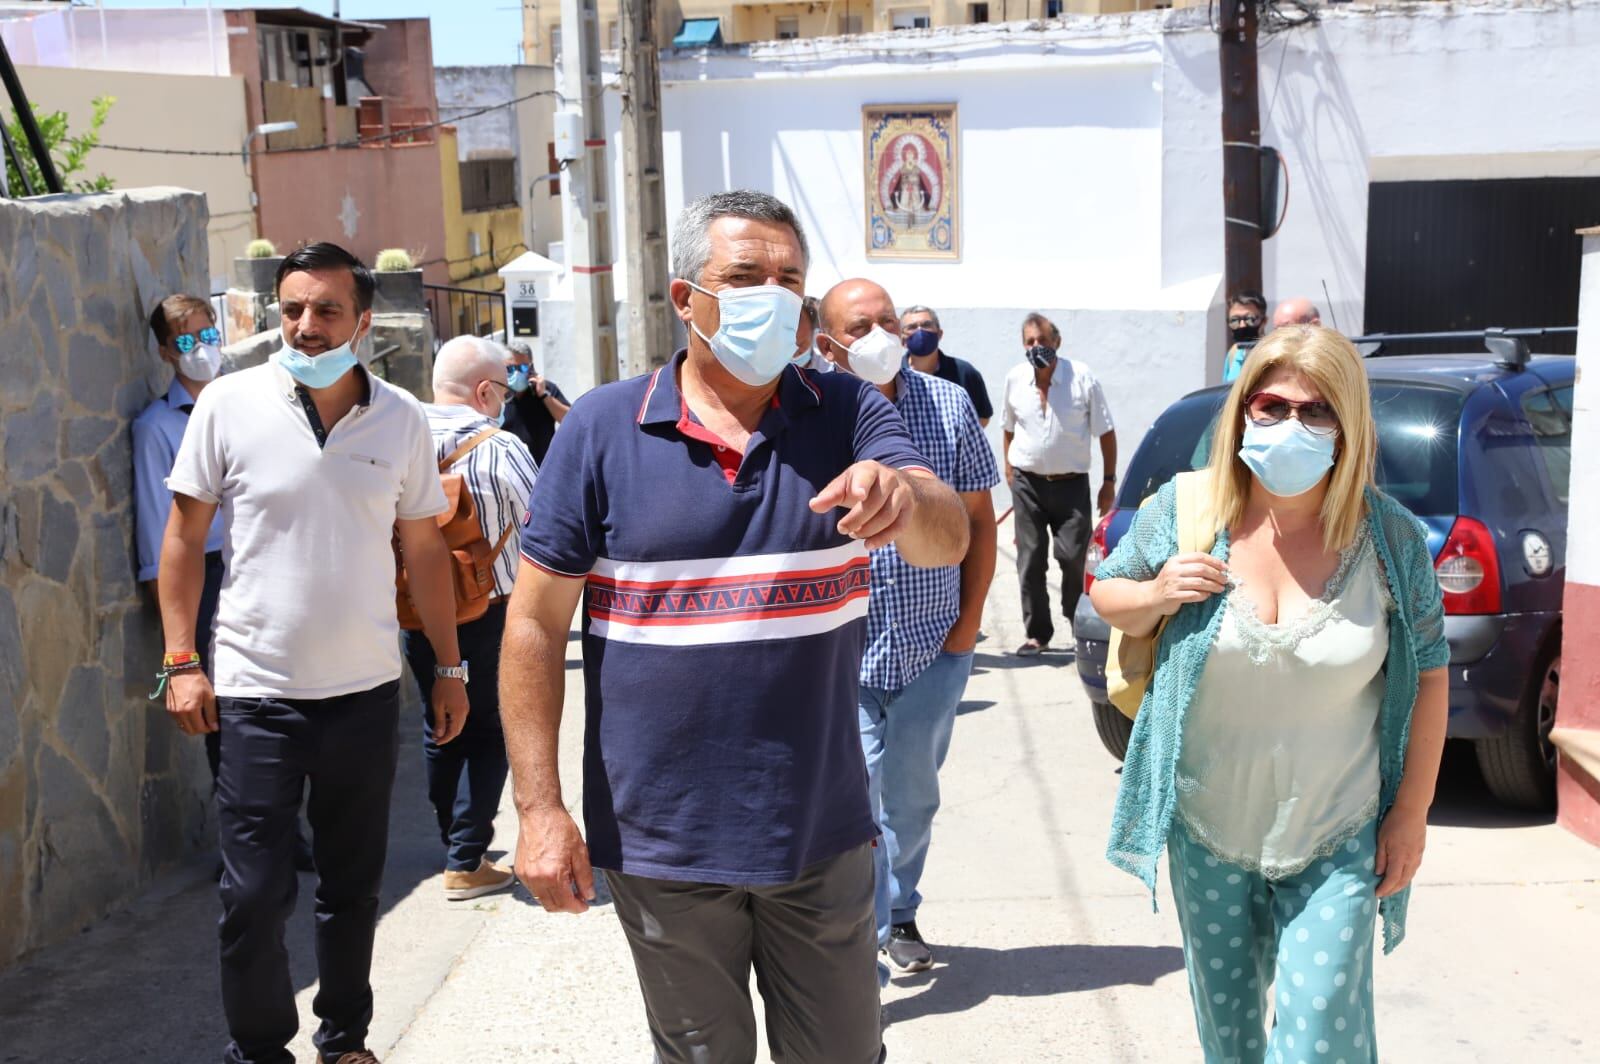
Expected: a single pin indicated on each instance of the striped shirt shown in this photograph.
(499, 472)
(723, 624)
(912, 609)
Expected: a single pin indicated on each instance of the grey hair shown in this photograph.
(522, 348)
(920, 309)
(691, 241)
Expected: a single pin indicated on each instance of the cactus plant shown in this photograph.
(393, 260)
(260, 249)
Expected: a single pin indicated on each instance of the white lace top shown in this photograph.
(1279, 759)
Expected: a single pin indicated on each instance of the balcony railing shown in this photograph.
(464, 311)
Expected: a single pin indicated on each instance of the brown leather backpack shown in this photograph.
(472, 558)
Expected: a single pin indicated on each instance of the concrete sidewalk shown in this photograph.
(1045, 952)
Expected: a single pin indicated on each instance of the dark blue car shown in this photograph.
(1480, 450)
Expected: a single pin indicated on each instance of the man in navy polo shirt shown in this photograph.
(697, 512)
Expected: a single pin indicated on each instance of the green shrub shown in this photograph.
(260, 249)
(66, 151)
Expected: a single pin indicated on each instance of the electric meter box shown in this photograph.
(569, 135)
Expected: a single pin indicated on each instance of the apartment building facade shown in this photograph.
(713, 23)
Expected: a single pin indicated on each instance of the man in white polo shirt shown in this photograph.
(315, 465)
(1051, 413)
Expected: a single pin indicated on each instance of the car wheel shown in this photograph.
(1519, 766)
(1113, 727)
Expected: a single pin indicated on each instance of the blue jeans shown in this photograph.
(905, 735)
(467, 775)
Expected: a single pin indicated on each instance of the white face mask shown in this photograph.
(202, 362)
(876, 356)
(755, 340)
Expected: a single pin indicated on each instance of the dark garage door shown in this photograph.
(1471, 254)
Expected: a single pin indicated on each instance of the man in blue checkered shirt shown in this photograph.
(922, 624)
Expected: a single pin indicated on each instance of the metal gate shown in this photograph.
(1445, 255)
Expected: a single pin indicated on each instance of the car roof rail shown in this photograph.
(1509, 346)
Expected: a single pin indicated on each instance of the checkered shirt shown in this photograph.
(911, 610)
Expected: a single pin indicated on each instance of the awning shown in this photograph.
(699, 33)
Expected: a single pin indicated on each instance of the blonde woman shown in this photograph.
(1287, 749)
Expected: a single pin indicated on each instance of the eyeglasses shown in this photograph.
(1266, 409)
(507, 393)
(1236, 320)
(186, 342)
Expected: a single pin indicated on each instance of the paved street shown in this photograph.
(1045, 951)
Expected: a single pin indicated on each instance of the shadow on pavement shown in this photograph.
(967, 976)
(1050, 659)
(142, 984)
(976, 705)
(1462, 799)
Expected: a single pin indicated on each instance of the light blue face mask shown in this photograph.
(1287, 458)
(317, 371)
(517, 378)
(756, 337)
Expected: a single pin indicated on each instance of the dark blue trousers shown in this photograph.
(346, 748)
(467, 775)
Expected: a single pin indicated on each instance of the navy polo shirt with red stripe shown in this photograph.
(723, 624)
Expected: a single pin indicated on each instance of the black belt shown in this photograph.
(1052, 476)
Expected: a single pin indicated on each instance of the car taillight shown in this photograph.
(1469, 569)
(1097, 551)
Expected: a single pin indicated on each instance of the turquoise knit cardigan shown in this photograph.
(1147, 795)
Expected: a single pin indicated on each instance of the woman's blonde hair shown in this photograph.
(1332, 364)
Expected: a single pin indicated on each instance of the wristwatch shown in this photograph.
(451, 672)
(1111, 478)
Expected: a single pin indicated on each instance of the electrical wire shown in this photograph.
(357, 143)
(1280, 16)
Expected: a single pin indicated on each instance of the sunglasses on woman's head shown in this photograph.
(1266, 409)
(186, 342)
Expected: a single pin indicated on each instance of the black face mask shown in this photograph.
(1040, 356)
(1245, 334)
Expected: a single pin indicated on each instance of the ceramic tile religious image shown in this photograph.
(912, 181)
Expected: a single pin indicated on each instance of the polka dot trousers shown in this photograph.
(1280, 970)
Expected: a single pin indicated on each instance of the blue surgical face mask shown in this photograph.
(317, 371)
(922, 342)
(500, 418)
(756, 337)
(517, 378)
(1287, 458)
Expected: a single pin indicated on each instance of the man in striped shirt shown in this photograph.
(467, 775)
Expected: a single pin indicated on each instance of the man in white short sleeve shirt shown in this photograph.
(315, 465)
(1052, 413)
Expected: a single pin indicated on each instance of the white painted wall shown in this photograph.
(1092, 168)
(1397, 92)
(163, 41)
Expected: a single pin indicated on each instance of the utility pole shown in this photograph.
(587, 189)
(645, 206)
(1241, 147)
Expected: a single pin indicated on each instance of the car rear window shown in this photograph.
(1179, 441)
(1418, 426)
(1418, 451)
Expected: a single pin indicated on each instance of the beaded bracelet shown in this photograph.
(168, 671)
